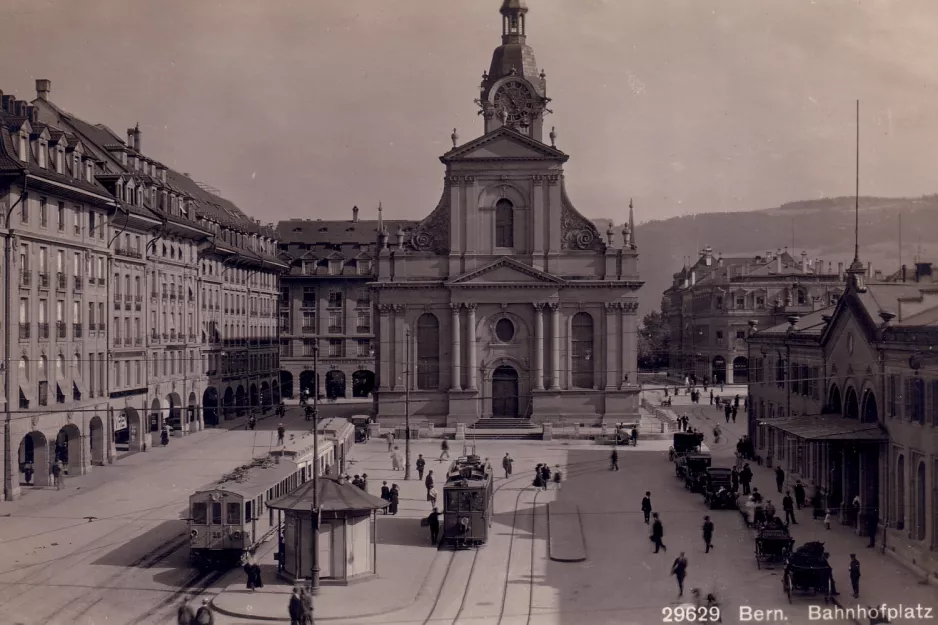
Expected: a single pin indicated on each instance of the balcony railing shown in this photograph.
(43, 330)
(91, 280)
(172, 296)
(154, 336)
(363, 329)
(43, 279)
(128, 300)
(61, 281)
(154, 295)
(138, 301)
(60, 332)
(79, 284)
(117, 302)
(102, 327)
(26, 277)
(165, 336)
(335, 329)
(306, 329)
(129, 253)
(76, 330)
(128, 341)
(101, 281)
(24, 331)
(117, 340)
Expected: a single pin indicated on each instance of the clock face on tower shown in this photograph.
(514, 102)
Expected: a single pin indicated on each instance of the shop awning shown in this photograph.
(828, 428)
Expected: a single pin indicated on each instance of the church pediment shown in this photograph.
(506, 271)
(503, 143)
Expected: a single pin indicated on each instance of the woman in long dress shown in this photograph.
(395, 498)
(395, 460)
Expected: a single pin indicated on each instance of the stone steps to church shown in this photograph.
(504, 435)
(504, 424)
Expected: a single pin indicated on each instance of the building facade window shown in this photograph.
(504, 224)
(428, 352)
(336, 348)
(582, 350)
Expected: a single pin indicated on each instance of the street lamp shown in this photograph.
(407, 363)
(314, 578)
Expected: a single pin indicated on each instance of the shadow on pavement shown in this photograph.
(150, 548)
(394, 530)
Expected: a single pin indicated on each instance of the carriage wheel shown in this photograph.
(786, 584)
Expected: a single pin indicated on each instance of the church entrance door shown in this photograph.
(505, 392)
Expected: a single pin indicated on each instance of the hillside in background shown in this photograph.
(822, 228)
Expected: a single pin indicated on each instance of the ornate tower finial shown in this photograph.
(631, 224)
(610, 232)
(454, 137)
(553, 136)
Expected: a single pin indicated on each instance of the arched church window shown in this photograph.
(582, 350)
(428, 352)
(504, 224)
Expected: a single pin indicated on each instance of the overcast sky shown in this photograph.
(303, 108)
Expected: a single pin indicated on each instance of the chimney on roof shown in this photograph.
(355, 214)
(804, 262)
(43, 87)
(136, 135)
(840, 270)
(768, 256)
(778, 264)
(708, 255)
(32, 113)
(902, 273)
(869, 270)
(8, 102)
(878, 275)
(130, 137)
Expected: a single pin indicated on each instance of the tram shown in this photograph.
(467, 502)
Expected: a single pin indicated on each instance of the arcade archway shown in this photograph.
(98, 440)
(210, 406)
(309, 383)
(228, 402)
(335, 384)
(869, 413)
(255, 397)
(265, 395)
(174, 414)
(834, 403)
(68, 449)
(718, 366)
(34, 456)
(740, 370)
(363, 383)
(851, 405)
(275, 392)
(240, 401)
(192, 412)
(155, 422)
(286, 384)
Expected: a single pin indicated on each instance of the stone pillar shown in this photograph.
(385, 347)
(399, 361)
(457, 352)
(471, 347)
(539, 346)
(612, 310)
(555, 346)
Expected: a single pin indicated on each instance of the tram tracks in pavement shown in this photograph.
(574, 469)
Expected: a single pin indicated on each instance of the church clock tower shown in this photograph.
(513, 93)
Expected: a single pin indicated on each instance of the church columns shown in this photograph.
(629, 344)
(457, 355)
(471, 347)
(555, 346)
(539, 346)
(386, 354)
(400, 349)
(612, 345)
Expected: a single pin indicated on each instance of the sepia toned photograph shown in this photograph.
(469, 312)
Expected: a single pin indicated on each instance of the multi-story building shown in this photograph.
(326, 301)
(710, 304)
(146, 249)
(846, 400)
(505, 301)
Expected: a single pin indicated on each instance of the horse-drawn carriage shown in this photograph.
(718, 488)
(693, 468)
(773, 543)
(808, 571)
(683, 443)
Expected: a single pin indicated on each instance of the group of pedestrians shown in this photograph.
(391, 495)
(543, 476)
(301, 607)
(185, 615)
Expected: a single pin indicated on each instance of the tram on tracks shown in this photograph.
(226, 519)
(467, 501)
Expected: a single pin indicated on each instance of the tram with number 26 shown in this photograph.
(467, 502)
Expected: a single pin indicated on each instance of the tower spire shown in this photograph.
(856, 269)
(632, 223)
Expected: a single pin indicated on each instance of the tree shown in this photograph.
(654, 338)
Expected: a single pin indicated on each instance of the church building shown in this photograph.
(505, 301)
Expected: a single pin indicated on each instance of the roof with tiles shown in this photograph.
(811, 324)
(319, 232)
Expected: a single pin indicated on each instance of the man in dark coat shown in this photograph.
(872, 527)
(434, 522)
(855, 575)
(204, 615)
(421, 464)
(429, 483)
(734, 412)
(734, 479)
(296, 608)
(779, 478)
(614, 459)
(679, 570)
(280, 433)
(727, 409)
(307, 600)
(185, 615)
(657, 533)
(545, 474)
(788, 505)
(745, 478)
(506, 464)
(646, 506)
(799, 494)
(708, 533)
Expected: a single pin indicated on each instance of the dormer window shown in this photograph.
(58, 161)
(43, 155)
(76, 171)
(335, 267)
(364, 267)
(24, 154)
(89, 172)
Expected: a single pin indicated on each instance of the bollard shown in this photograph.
(460, 432)
(548, 431)
(431, 428)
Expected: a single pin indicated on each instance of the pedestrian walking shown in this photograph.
(506, 464)
(428, 483)
(385, 494)
(204, 614)
(727, 410)
(390, 441)
(28, 472)
(711, 397)
(248, 565)
(646, 506)
(734, 479)
(736, 401)
(769, 510)
(634, 436)
(433, 521)
(614, 460)
(799, 494)
(432, 495)
(444, 450)
(558, 477)
(57, 475)
(545, 474)
(307, 600)
(395, 499)
(872, 526)
(185, 615)
(538, 482)
(295, 608)
(827, 519)
(395, 460)
(788, 505)
(745, 478)
(708, 533)
(363, 484)
(657, 533)
(679, 571)
(779, 478)
(855, 575)
(421, 464)
(733, 413)
(280, 432)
